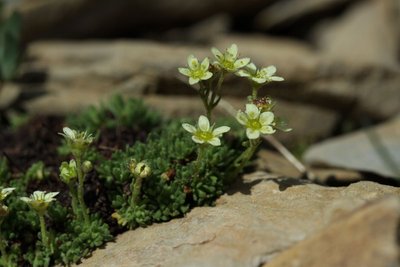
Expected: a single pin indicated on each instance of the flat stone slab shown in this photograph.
(375, 150)
(258, 218)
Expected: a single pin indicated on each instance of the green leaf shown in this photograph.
(280, 124)
(9, 46)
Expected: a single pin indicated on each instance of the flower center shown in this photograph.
(197, 73)
(228, 64)
(206, 136)
(254, 124)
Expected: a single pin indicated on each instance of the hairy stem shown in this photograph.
(74, 201)
(81, 180)
(43, 231)
(136, 188)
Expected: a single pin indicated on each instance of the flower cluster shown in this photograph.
(258, 117)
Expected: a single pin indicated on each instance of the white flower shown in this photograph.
(229, 60)
(40, 200)
(5, 192)
(256, 122)
(196, 71)
(259, 75)
(78, 141)
(204, 133)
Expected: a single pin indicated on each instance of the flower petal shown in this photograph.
(270, 70)
(69, 133)
(207, 76)
(252, 111)
(232, 50)
(259, 80)
(240, 63)
(241, 117)
(205, 64)
(218, 55)
(50, 196)
(193, 62)
(252, 134)
(251, 67)
(197, 140)
(220, 130)
(266, 118)
(277, 79)
(189, 128)
(26, 199)
(243, 73)
(184, 71)
(267, 130)
(204, 123)
(215, 141)
(193, 80)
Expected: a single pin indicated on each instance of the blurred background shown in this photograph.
(340, 60)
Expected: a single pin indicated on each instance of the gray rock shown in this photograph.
(258, 218)
(367, 34)
(365, 238)
(290, 11)
(375, 150)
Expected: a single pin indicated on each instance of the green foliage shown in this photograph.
(37, 171)
(114, 114)
(81, 239)
(176, 183)
(9, 46)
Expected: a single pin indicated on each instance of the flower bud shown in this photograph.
(68, 171)
(142, 170)
(87, 166)
(132, 165)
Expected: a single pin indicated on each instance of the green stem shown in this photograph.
(81, 180)
(204, 92)
(200, 158)
(214, 99)
(254, 93)
(136, 188)
(74, 201)
(43, 231)
(244, 158)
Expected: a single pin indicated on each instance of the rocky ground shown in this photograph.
(340, 60)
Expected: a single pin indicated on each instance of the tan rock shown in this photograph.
(366, 237)
(258, 218)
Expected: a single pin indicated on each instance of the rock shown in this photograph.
(291, 11)
(356, 37)
(367, 237)
(101, 18)
(376, 150)
(258, 218)
(142, 67)
(9, 93)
